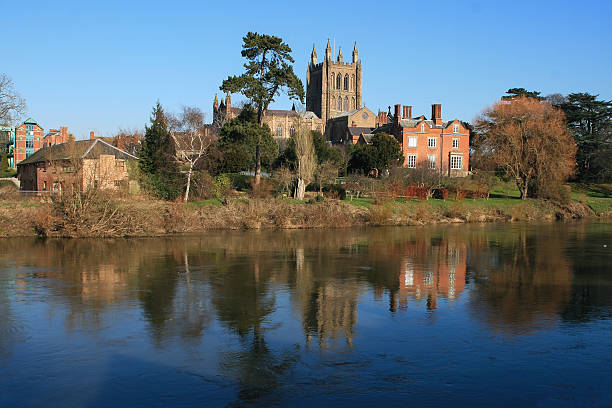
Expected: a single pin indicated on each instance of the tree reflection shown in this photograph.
(522, 279)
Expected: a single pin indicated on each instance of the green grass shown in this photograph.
(359, 202)
(292, 200)
(203, 203)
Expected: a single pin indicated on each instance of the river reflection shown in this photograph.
(302, 317)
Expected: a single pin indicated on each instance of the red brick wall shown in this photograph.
(444, 145)
(20, 141)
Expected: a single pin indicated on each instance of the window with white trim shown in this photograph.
(455, 128)
(431, 158)
(456, 162)
(455, 143)
(431, 142)
(411, 161)
(422, 128)
(412, 142)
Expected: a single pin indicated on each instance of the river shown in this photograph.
(464, 315)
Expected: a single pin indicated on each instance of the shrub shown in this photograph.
(379, 215)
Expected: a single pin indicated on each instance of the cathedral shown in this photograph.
(333, 100)
(333, 87)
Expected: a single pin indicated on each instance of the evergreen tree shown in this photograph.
(268, 71)
(522, 92)
(590, 120)
(383, 153)
(157, 158)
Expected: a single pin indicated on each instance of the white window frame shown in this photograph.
(411, 160)
(431, 158)
(412, 141)
(455, 128)
(456, 162)
(422, 128)
(432, 142)
(455, 143)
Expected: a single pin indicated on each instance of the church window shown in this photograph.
(339, 104)
(292, 130)
(333, 78)
(346, 107)
(353, 86)
(346, 82)
(339, 81)
(279, 130)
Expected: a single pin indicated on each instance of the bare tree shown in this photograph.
(306, 156)
(528, 138)
(11, 103)
(327, 172)
(191, 139)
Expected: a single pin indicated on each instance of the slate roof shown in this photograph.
(84, 149)
(367, 138)
(356, 130)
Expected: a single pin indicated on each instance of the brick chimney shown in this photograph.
(407, 113)
(382, 118)
(396, 114)
(63, 134)
(436, 113)
(91, 135)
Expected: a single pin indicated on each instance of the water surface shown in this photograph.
(468, 315)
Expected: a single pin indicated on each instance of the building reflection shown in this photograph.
(430, 269)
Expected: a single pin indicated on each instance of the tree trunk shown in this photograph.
(189, 173)
(258, 162)
(300, 189)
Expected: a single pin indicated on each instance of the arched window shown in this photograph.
(339, 103)
(339, 81)
(353, 103)
(353, 86)
(346, 82)
(346, 108)
(279, 130)
(332, 79)
(292, 130)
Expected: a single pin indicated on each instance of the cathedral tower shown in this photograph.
(333, 87)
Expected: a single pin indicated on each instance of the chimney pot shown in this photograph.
(436, 113)
(91, 135)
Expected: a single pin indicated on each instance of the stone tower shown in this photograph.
(333, 87)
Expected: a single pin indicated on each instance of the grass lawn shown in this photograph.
(359, 202)
(203, 203)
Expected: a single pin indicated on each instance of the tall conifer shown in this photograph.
(157, 158)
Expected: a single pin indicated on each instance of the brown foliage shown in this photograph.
(529, 140)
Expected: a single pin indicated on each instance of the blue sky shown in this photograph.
(102, 65)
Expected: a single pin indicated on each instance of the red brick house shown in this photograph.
(55, 136)
(28, 139)
(439, 144)
(81, 164)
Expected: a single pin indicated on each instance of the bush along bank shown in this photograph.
(116, 216)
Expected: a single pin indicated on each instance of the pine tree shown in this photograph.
(157, 158)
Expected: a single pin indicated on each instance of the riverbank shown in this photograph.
(112, 216)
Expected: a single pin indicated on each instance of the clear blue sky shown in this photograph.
(102, 65)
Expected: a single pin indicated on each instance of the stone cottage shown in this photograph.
(82, 164)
